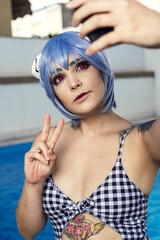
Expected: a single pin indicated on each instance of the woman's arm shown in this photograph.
(133, 23)
(39, 164)
(30, 217)
(151, 138)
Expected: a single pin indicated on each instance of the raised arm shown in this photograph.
(133, 23)
(39, 164)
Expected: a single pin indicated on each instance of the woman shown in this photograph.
(92, 176)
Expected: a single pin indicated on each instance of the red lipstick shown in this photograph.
(80, 96)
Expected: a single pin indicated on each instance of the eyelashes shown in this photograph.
(80, 66)
(57, 79)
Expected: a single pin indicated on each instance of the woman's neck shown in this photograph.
(96, 124)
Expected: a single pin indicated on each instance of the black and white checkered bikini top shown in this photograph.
(116, 202)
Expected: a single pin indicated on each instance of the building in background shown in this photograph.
(40, 18)
(49, 17)
(10, 10)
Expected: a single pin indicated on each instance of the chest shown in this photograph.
(81, 166)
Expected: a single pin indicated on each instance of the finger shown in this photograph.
(56, 135)
(35, 150)
(46, 128)
(97, 21)
(32, 156)
(75, 4)
(51, 162)
(90, 9)
(52, 157)
(103, 42)
(42, 148)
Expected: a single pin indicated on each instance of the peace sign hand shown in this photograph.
(41, 159)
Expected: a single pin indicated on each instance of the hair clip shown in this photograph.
(35, 67)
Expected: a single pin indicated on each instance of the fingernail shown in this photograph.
(46, 162)
(80, 36)
(47, 158)
(50, 151)
(88, 52)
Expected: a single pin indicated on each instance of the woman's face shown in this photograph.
(80, 88)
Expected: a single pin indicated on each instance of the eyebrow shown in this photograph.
(74, 61)
(71, 64)
(59, 69)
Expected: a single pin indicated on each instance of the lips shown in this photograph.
(80, 96)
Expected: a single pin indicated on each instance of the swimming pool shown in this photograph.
(11, 183)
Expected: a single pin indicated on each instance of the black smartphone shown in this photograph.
(98, 32)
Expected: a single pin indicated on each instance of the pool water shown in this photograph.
(11, 183)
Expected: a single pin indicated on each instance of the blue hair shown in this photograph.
(57, 50)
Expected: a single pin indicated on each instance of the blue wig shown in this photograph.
(58, 50)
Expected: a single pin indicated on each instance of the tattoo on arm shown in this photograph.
(145, 126)
(81, 228)
(123, 131)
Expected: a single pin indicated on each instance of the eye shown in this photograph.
(57, 79)
(83, 65)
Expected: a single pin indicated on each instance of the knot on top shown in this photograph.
(72, 209)
(85, 205)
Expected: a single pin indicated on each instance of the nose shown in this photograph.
(74, 82)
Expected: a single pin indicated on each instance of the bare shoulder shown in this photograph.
(137, 132)
(145, 127)
(148, 136)
(140, 155)
(150, 132)
(134, 142)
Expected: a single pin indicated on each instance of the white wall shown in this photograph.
(135, 98)
(45, 20)
(17, 55)
(126, 58)
(23, 107)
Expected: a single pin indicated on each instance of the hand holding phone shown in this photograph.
(96, 33)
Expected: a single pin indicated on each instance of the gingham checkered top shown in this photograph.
(116, 202)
